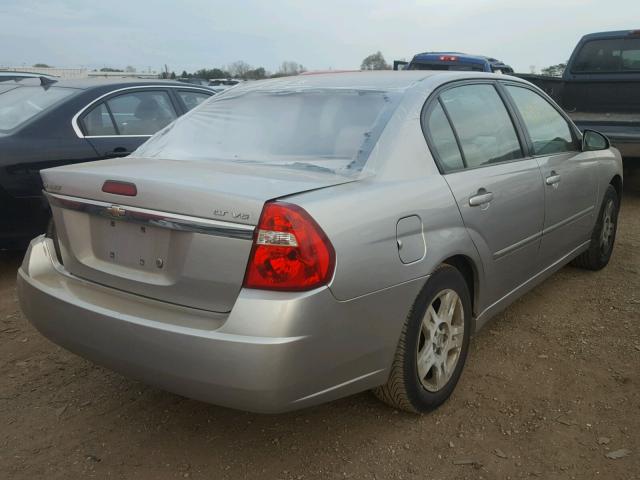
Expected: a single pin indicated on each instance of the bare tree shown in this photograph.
(554, 70)
(288, 68)
(239, 69)
(375, 61)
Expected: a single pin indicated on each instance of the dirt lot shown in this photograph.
(551, 387)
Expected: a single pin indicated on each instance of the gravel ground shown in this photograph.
(551, 389)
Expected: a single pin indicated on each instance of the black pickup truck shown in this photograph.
(600, 87)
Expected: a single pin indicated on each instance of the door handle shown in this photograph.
(117, 152)
(552, 179)
(481, 198)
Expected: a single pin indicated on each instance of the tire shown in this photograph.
(603, 236)
(408, 388)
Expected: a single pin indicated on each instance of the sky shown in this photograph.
(323, 34)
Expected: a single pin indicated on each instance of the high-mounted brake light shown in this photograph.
(448, 58)
(290, 251)
(120, 188)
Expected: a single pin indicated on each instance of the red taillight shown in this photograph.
(290, 251)
(120, 188)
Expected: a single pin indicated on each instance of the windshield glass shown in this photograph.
(329, 129)
(19, 104)
(609, 56)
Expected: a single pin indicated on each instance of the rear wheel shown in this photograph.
(603, 236)
(433, 345)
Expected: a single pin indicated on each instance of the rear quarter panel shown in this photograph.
(360, 220)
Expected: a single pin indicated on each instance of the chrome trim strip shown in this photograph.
(546, 231)
(74, 120)
(570, 219)
(517, 245)
(154, 218)
(118, 136)
(492, 309)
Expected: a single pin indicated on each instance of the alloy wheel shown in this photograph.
(608, 227)
(440, 340)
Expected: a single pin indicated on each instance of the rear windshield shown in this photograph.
(21, 103)
(609, 56)
(5, 87)
(329, 129)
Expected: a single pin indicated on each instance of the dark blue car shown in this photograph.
(46, 123)
(453, 61)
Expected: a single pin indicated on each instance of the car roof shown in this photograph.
(379, 79)
(611, 34)
(367, 80)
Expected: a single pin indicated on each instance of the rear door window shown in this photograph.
(141, 112)
(482, 124)
(98, 122)
(549, 131)
(442, 139)
(192, 99)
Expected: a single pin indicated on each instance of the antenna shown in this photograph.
(46, 81)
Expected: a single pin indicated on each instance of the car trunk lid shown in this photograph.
(184, 238)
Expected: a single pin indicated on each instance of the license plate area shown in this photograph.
(126, 244)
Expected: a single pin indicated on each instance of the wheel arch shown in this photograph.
(466, 266)
(616, 182)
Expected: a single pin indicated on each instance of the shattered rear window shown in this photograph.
(331, 129)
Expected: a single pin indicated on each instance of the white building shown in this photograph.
(75, 73)
(99, 74)
(67, 73)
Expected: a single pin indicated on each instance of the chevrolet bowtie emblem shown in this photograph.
(116, 211)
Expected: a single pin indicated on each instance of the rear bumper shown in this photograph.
(273, 352)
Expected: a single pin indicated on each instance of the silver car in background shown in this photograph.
(293, 241)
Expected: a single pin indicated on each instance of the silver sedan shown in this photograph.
(290, 242)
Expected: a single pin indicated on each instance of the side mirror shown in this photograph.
(594, 141)
(400, 65)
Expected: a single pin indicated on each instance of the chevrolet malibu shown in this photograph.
(294, 241)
